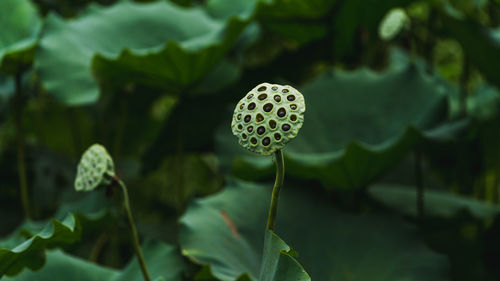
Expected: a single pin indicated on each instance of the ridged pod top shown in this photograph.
(95, 168)
(268, 117)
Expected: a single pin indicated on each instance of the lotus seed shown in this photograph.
(272, 124)
(259, 118)
(261, 130)
(281, 112)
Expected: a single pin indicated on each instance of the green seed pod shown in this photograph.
(393, 23)
(268, 117)
(95, 168)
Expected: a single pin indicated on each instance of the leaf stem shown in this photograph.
(419, 184)
(135, 237)
(21, 164)
(280, 174)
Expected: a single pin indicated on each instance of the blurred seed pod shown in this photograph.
(95, 168)
(393, 23)
(268, 117)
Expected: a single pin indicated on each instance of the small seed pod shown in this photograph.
(268, 117)
(393, 23)
(95, 168)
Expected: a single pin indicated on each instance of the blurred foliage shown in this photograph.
(394, 176)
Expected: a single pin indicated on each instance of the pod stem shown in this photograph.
(21, 162)
(135, 237)
(280, 174)
(419, 184)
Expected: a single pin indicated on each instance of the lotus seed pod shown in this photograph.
(392, 24)
(268, 117)
(95, 168)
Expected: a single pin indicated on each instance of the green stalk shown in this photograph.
(280, 174)
(21, 164)
(135, 237)
(419, 184)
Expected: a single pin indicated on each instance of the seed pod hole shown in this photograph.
(261, 130)
(284, 91)
(290, 97)
(274, 88)
(268, 107)
(253, 140)
(262, 97)
(293, 117)
(262, 89)
(266, 141)
(244, 136)
(277, 98)
(250, 129)
(281, 112)
(259, 117)
(285, 127)
(272, 124)
(250, 96)
(239, 117)
(242, 105)
(277, 136)
(247, 118)
(240, 127)
(293, 106)
(251, 106)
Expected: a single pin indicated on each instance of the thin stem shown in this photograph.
(21, 164)
(464, 91)
(420, 185)
(413, 46)
(280, 174)
(135, 237)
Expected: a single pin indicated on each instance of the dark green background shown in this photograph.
(155, 82)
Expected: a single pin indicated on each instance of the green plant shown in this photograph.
(264, 121)
(96, 168)
(395, 175)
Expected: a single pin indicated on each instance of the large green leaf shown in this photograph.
(16, 254)
(164, 263)
(278, 262)
(65, 267)
(436, 203)
(25, 247)
(157, 44)
(20, 28)
(293, 19)
(272, 9)
(225, 231)
(357, 125)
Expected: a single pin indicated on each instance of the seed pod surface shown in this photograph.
(268, 117)
(95, 168)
